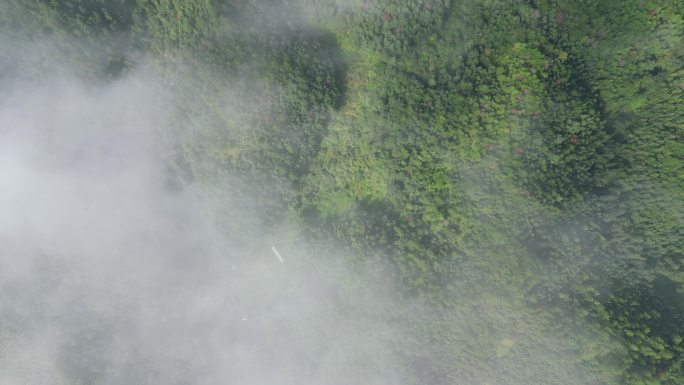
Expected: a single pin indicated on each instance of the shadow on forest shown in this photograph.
(670, 303)
(330, 49)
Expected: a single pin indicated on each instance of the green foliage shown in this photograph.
(582, 145)
(166, 26)
(521, 161)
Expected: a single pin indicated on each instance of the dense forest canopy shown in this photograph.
(515, 168)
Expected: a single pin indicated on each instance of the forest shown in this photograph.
(510, 172)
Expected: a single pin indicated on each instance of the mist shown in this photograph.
(109, 274)
(163, 198)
